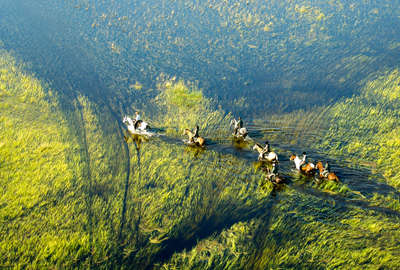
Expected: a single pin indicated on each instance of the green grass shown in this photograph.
(66, 199)
(39, 186)
(366, 127)
(300, 232)
(73, 197)
(61, 198)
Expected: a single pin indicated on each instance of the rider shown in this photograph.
(303, 160)
(274, 169)
(138, 119)
(326, 170)
(273, 172)
(137, 116)
(239, 125)
(195, 134)
(266, 149)
(327, 167)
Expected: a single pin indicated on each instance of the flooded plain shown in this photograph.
(77, 190)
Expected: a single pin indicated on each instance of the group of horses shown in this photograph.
(309, 168)
(241, 133)
(306, 168)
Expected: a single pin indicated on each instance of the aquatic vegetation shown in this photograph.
(181, 105)
(366, 125)
(39, 186)
(59, 178)
(306, 233)
(76, 195)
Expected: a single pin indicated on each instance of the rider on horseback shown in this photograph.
(266, 149)
(239, 125)
(327, 167)
(195, 134)
(326, 170)
(303, 160)
(137, 120)
(272, 173)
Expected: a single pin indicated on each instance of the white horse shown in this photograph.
(241, 131)
(307, 168)
(270, 156)
(141, 126)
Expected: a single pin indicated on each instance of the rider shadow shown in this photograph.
(240, 143)
(214, 225)
(194, 150)
(137, 139)
(276, 181)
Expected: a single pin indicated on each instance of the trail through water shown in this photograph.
(361, 179)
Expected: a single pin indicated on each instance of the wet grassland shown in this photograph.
(82, 201)
(75, 194)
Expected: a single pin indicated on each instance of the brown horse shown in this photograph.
(200, 141)
(307, 168)
(325, 173)
(275, 178)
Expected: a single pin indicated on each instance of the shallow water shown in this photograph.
(160, 202)
(302, 194)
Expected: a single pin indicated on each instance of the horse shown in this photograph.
(242, 132)
(270, 156)
(325, 173)
(135, 127)
(274, 178)
(200, 141)
(307, 168)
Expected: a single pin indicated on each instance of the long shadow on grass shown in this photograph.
(126, 188)
(88, 176)
(211, 225)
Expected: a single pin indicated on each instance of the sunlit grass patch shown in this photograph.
(182, 105)
(35, 173)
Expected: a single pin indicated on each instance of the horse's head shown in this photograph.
(232, 122)
(293, 157)
(125, 119)
(186, 131)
